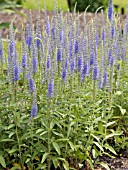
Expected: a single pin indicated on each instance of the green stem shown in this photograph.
(19, 147)
(111, 87)
(32, 144)
(49, 135)
(94, 91)
(15, 91)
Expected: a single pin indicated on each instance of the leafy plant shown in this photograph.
(62, 107)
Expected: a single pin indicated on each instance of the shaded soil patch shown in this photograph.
(20, 17)
(118, 163)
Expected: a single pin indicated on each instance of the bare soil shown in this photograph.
(20, 17)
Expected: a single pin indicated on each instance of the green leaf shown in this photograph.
(58, 134)
(69, 130)
(95, 137)
(55, 162)
(56, 147)
(107, 146)
(12, 151)
(52, 125)
(90, 163)
(7, 140)
(10, 126)
(15, 168)
(10, 135)
(2, 161)
(112, 134)
(66, 165)
(28, 159)
(118, 93)
(39, 130)
(98, 145)
(62, 139)
(44, 157)
(104, 165)
(93, 153)
(109, 155)
(4, 25)
(123, 111)
(71, 145)
(43, 133)
(110, 123)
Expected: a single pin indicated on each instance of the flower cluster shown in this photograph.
(60, 52)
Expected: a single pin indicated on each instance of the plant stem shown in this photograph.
(94, 91)
(111, 87)
(32, 143)
(19, 147)
(49, 136)
(15, 90)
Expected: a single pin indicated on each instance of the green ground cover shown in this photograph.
(121, 3)
(63, 3)
(49, 3)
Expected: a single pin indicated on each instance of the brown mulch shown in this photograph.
(21, 17)
(118, 163)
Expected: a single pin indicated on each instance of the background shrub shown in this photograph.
(82, 4)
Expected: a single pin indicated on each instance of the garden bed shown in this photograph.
(20, 17)
(64, 96)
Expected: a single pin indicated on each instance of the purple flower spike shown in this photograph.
(1, 50)
(24, 61)
(105, 78)
(63, 74)
(103, 35)
(29, 37)
(111, 61)
(112, 31)
(110, 10)
(62, 37)
(16, 73)
(72, 65)
(48, 62)
(95, 73)
(100, 84)
(1, 53)
(110, 57)
(66, 64)
(12, 48)
(38, 41)
(109, 54)
(76, 47)
(53, 33)
(34, 64)
(79, 64)
(59, 55)
(91, 59)
(47, 27)
(31, 85)
(50, 92)
(34, 110)
(70, 49)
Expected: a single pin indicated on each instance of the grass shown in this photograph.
(121, 3)
(39, 4)
(30, 4)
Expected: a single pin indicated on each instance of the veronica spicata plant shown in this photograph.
(64, 91)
